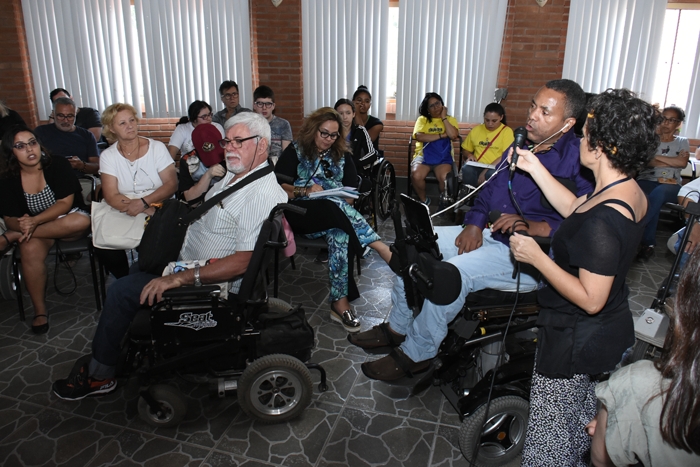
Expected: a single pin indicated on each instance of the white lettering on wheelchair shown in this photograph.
(194, 321)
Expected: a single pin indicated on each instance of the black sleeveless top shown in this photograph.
(570, 341)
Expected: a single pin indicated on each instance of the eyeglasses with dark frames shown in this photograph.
(205, 116)
(237, 143)
(264, 105)
(65, 117)
(672, 120)
(326, 135)
(31, 143)
(229, 95)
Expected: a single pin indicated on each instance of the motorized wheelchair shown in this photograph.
(377, 187)
(467, 367)
(246, 342)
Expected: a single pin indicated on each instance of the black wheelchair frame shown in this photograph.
(377, 188)
(468, 359)
(193, 331)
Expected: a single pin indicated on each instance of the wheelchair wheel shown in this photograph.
(8, 290)
(172, 402)
(275, 388)
(384, 189)
(504, 435)
(642, 351)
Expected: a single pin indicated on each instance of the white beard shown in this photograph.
(236, 165)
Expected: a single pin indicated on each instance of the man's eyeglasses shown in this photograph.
(236, 143)
(672, 120)
(206, 116)
(264, 105)
(326, 135)
(21, 146)
(65, 117)
(229, 95)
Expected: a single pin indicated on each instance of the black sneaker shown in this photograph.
(80, 385)
(645, 253)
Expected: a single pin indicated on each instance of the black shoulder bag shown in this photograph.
(166, 230)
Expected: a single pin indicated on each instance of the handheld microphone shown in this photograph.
(520, 135)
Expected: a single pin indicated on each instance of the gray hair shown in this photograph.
(64, 101)
(256, 123)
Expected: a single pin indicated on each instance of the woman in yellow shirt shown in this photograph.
(433, 132)
(485, 144)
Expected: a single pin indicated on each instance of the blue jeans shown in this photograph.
(487, 267)
(470, 174)
(657, 194)
(121, 306)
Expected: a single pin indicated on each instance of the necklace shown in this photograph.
(128, 154)
(616, 182)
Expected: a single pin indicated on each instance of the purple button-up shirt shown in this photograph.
(562, 160)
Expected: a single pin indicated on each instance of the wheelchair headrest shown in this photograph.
(447, 281)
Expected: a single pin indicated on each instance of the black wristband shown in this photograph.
(145, 203)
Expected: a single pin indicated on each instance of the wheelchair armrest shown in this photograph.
(190, 290)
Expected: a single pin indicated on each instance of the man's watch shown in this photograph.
(197, 280)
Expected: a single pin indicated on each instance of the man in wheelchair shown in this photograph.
(227, 231)
(482, 256)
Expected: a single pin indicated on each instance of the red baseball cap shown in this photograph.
(205, 138)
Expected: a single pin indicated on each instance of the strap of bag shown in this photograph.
(211, 202)
(487, 147)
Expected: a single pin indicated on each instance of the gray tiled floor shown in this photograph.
(356, 422)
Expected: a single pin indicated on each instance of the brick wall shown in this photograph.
(16, 86)
(535, 41)
(277, 62)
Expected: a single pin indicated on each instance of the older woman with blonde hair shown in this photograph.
(318, 161)
(136, 173)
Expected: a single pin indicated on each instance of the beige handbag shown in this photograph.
(115, 230)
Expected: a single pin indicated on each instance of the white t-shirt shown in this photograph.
(182, 137)
(141, 177)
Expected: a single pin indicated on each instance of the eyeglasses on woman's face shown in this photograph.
(236, 143)
(205, 116)
(672, 120)
(29, 144)
(325, 135)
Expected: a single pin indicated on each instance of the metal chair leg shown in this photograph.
(18, 284)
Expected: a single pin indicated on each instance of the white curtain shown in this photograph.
(614, 44)
(189, 48)
(84, 46)
(691, 127)
(344, 45)
(452, 47)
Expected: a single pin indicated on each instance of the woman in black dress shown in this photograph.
(585, 324)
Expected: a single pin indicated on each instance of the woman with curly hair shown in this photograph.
(651, 410)
(319, 160)
(585, 324)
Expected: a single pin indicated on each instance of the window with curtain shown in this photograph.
(85, 46)
(452, 47)
(188, 47)
(614, 44)
(158, 55)
(344, 46)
